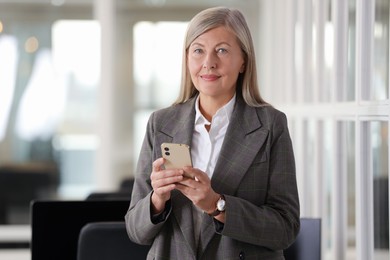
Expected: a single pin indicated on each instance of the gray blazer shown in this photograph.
(256, 173)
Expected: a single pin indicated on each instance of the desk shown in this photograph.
(15, 236)
(15, 254)
(22, 183)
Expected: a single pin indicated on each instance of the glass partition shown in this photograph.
(328, 167)
(380, 82)
(350, 93)
(378, 166)
(347, 160)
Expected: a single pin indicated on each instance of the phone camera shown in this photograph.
(167, 153)
(166, 148)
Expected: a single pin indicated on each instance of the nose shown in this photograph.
(210, 62)
(209, 66)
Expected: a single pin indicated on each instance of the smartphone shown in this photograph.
(176, 156)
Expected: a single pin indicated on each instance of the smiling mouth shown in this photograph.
(210, 77)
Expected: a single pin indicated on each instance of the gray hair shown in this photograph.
(234, 21)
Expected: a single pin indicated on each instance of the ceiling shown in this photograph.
(129, 3)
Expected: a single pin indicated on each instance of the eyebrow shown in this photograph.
(196, 44)
(202, 45)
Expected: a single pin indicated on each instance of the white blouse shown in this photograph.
(206, 146)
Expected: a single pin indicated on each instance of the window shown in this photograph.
(75, 138)
(158, 55)
(337, 103)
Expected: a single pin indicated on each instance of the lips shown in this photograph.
(210, 77)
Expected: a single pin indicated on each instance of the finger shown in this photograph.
(187, 191)
(194, 195)
(165, 189)
(156, 166)
(191, 183)
(191, 176)
(196, 174)
(167, 180)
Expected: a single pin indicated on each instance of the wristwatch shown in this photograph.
(221, 204)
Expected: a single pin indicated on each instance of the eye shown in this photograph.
(198, 51)
(222, 50)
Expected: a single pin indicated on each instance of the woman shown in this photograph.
(242, 202)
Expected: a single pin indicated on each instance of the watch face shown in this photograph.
(221, 205)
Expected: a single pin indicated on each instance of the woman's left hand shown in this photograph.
(198, 190)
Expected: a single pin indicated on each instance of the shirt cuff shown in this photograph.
(218, 226)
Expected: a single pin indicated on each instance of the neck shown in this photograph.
(208, 106)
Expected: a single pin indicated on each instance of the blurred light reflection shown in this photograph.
(31, 45)
(43, 101)
(8, 63)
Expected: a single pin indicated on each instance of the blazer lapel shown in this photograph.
(245, 130)
(207, 232)
(182, 210)
(244, 138)
(179, 129)
(232, 164)
(179, 126)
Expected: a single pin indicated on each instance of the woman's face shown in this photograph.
(215, 60)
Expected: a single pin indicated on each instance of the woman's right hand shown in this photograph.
(163, 182)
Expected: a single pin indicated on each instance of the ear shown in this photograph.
(242, 69)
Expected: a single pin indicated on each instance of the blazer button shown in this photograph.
(242, 255)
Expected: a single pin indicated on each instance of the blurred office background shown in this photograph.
(79, 78)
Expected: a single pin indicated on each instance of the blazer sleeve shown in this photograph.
(141, 229)
(273, 223)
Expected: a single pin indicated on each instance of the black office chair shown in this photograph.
(56, 225)
(117, 195)
(307, 246)
(109, 240)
